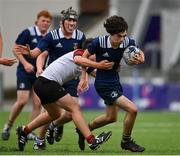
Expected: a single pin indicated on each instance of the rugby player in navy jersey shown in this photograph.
(26, 71)
(57, 42)
(107, 82)
(49, 88)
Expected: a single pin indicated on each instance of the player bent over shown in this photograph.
(48, 88)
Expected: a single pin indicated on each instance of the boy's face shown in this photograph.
(70, 25)
(43, 24)
(117, 39)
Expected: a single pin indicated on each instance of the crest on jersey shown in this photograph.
(75, 46)
(114, 94)
(22, 85)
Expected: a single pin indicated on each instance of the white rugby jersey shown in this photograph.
(63, 69)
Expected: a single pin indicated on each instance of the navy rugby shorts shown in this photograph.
(25, 82)
(109, 93)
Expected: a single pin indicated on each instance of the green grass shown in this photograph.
(158, 132)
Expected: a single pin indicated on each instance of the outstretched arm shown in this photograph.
(86, 62)
(83, 83)
(40, 62)
(7, 61)
(25, 50)
(27, 66)
(1, 44)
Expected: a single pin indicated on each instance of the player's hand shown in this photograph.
(105, 64)
(29, 68)
(138, 58)
(82, 86)
(39, 72)
(7, 61)
(20, 49)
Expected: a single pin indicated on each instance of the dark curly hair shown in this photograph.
(86, 43)
(115, 24)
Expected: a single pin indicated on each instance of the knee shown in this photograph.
(74, 109)
(37, 105)
(134, 110)
(22, 102)
(55, 115)
(111, 119)
(68, 116)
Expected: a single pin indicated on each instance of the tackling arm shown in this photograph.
(86, 62)
(40, 62)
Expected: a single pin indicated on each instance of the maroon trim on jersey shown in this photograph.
(78, 52)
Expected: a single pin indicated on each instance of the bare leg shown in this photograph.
(102, 120)
(36, 110)
(44, 118)
(130, 117)
(64, 118)
(22, 99)
(42, 129)
(70, 105)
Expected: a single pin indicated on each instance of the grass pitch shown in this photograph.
(158, 132)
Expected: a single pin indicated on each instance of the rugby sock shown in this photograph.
(126, 137)
(39, 141)
(9, 125)
(90, 138)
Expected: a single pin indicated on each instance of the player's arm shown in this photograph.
(27, 66)
(40, 62)
(22, 48)
(93, 73)
(1, 44)
(25, 50)
(86, 62)
(83, 83)
(7, 61)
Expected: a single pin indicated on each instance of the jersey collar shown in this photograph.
(37, 31)
(110, 46)
(62, 35)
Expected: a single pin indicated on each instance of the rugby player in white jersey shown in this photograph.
(53, 96)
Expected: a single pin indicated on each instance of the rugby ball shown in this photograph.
(129, 53)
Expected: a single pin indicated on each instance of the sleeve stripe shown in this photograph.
(31, 30)
(54, 35)
(102, 41)
(79, 34)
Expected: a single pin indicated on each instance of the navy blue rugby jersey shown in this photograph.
(101, 46)
(30, 36)
(57, 45)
